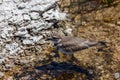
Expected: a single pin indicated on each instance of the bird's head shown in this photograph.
(54, 36)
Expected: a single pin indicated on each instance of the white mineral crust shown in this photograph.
(21, 23)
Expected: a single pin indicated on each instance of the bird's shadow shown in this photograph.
(59, 71)
(54, 68)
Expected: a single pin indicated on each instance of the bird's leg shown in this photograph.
(63, 57)
(60, 56)
(57, 56)
(70, 58)
(73, 59)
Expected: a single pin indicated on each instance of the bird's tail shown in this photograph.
(102, 43)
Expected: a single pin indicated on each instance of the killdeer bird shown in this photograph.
(69, 45)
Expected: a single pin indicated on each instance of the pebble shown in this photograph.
(8, 66)
(26, 17)
(118, 23)
(21, 33)
(36, 38)
(117, 75)
(21, 6)
(1, 74)
(1, 61)
(27, 41)
(24, 61)
(34, 15)
(10, 78)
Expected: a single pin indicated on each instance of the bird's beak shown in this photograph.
(48, 38)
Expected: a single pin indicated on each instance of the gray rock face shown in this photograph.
(22, 23)
(117, 75)
(34, 15)
(1, 74)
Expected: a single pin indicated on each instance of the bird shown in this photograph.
(68, 45)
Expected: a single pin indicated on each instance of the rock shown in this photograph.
(8, 66)
(36, 38)
(84, 23)
(2, 18)
(24, 61)
(10, 78)
(78, 19)
(26, 17)
(74, 9)
(17, 1)
(25, 23)
(118, 23)
(21, 6)
(54, 15)
(21, 32)
(65, 3)
(9, 14)
(52, 54)
(16, 19)
(1, 61)
(8, 5)
(1, 1)
(32, 40)
(7, 32)
(44, 77)
(117, 75)
(41, 41)
(99, 16)
(34, 15)
(27, 41)
(26, 36)
(12, 48)
(38, 49)
(25, 0)
(2, 74)
(36, 8)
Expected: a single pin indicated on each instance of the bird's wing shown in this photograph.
(76, 44)
(71, 41)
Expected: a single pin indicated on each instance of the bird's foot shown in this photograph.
(56, 59)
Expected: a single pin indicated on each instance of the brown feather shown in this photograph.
(76, 44)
